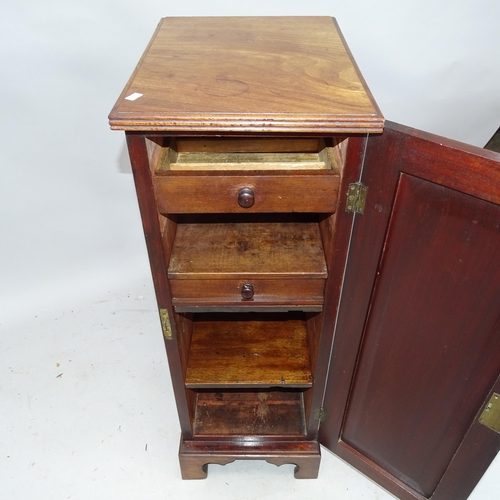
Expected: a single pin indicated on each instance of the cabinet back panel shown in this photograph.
(263, 413)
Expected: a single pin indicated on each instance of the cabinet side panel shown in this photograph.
(139, 158)
(156, 151)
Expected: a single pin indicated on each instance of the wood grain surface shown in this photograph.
(418, 322)
(218, 192)
(239, 350)
(249, 413)
(247, 249)
(192, 294)
(195, 455)
(247, 74)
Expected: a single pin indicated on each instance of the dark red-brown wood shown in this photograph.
(195, 456)
(158, 255)
(247, 118)
(302, 294)
(249, 413)
(218, 192)
(336, 234)
(412, 354)
(422, 291)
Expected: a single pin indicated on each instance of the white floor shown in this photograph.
(88, 412)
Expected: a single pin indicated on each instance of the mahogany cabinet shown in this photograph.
(321, 277)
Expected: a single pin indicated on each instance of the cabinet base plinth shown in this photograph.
(194, 456)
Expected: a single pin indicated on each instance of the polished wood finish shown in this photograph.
(188, 172)
(195, 456)
(384, 346)
(237, 351)
(336, 232)
(217, 192)
(304, 294)
(247, 74)
(272, 261)
(432, 243)
(421, 270)
(247, 250)
(159, 253)
(477, 451)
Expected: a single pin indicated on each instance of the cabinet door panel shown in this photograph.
(430, 323)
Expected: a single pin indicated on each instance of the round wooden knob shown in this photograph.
(246, 197)
(247, 291)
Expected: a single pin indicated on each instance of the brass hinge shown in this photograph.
(320, 414)
(165, 324)
(356, 198)
(490, 417)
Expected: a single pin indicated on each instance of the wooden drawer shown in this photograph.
(244, 176)
(255, 294)
(271, 193)
(270, 250)
(282, 262)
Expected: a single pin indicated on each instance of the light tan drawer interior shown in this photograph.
(251, 154)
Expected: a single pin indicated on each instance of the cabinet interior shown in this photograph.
(265, 246)
(273, 412)
(244, 350)
(256, 361)
(248, 364)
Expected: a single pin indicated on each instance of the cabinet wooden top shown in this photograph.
(247, 75)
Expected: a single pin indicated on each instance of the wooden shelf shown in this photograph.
(249, 350)
(276, 413)
(265, 250)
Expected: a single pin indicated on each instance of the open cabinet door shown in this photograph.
(416, 353)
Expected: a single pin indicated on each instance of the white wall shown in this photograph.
(69, 220)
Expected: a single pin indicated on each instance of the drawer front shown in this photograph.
(305, 294)
(245, 194)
